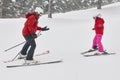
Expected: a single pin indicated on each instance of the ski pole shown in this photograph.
(14, 46)
(20, 51)
(15, 56)
(20, 43)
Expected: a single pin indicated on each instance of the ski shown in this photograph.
(88, 51)
(97, 54)
(34, 64)
(38, 54)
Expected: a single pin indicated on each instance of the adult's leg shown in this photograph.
(31, 50)
(27, 45)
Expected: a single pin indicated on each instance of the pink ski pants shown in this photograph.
(97, 42)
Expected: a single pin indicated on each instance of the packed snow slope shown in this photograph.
(70, 34)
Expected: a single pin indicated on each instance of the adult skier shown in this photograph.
(99, 31)
(29, 33)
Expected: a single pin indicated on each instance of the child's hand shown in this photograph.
(93, 28)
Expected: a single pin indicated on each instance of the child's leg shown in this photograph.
(94, 44)
(100, 46)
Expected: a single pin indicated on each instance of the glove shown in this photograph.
(34, 35)
(45, 28)
(93, 28)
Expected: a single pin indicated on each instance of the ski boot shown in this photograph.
(21, 56)
(28, 62)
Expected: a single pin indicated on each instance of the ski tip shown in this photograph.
(48, 51)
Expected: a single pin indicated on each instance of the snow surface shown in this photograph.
(70, 33)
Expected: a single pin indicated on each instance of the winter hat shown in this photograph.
(98, 15)
(38, 10)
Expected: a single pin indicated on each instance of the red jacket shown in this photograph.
(31, 24)
(99, 25)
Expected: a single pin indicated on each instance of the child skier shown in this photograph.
(29, 33)
(99, 30)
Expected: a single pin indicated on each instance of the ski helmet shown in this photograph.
(38, 10)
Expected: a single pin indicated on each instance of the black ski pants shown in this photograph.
(29, 47)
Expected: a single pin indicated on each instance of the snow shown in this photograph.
(70, 33)
(14, 0)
